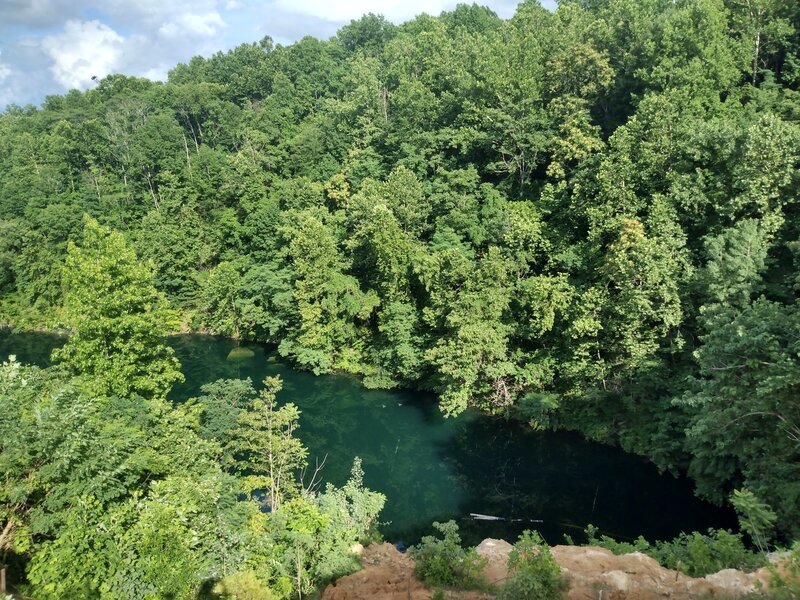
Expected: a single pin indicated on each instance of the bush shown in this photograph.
(533, 572)
(698, 555)
(694, 554)
(244, 585)
(638, 545)
(443, 562)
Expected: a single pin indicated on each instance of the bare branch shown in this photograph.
(313, 485)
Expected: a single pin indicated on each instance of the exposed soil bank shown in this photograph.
(593, 573)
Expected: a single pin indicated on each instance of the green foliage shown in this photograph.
(124, 483)
(353, 508)
(443, 562)
(533, 572)
(638, 545)
(223, 403)
(694, 554)
(755, 517)
(149, 495)
(326, 303)
(267, 453)
(348, 515)
(744, 422)
(117, 317)
(220, 295)
(586, 217)
(699, 554)
(308, 541)
(243, 585)
(736, 262)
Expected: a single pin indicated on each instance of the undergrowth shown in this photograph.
(694, 554)
(444, 562)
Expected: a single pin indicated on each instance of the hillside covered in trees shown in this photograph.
(586, 218)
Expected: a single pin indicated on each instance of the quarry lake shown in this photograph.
(432, 469)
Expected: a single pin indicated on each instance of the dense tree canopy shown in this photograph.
(109, 491)
(588, 218)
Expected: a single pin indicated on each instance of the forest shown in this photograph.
(586, 219)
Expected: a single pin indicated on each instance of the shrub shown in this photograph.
(443, 562)
(533, 572)
(638, 545)
(244, 585)
(694, 554)
(755, 517)
(698, 555)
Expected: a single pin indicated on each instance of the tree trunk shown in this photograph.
(188, 159)
(755, 57)
(385, 103)
(149, 178)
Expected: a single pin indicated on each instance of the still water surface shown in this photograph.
(432, 468)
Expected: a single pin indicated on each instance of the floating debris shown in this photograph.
(480, 517)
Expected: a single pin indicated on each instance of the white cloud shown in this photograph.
(84, 49)
(344, 10)
(192, 24)
(158, 73)
(5, 70)
(150, 15)
(51, 45)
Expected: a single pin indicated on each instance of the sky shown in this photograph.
(52, 46)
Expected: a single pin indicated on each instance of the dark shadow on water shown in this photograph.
(29, 348)
(567, 482)
(432, 468)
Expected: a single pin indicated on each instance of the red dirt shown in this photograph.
(593, 574)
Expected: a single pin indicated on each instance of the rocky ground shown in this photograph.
(593, 574)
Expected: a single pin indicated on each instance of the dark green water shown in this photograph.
(432, 468)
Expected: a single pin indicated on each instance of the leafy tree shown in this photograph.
(268, 454)
(533, 572)
(369, 34)
(622, 321)
(755, 517)
(328, 303)
(443, 562)
(737, 260)
(118, 318)
(221, 300)
(762, 26)
(138, 489)
(743, 405)
(471, 357)
(223, 402)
